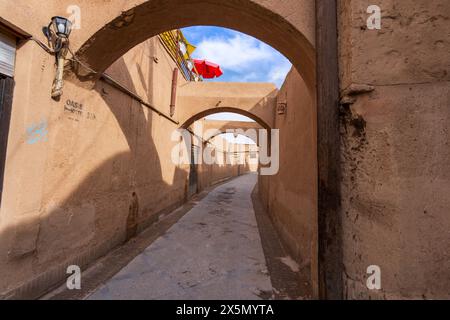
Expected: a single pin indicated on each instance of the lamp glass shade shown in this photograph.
(62, 26)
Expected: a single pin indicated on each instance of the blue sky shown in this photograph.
(242, 59)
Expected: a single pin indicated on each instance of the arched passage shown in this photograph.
(222, 132)
(187, 123)
(256, 101)
(287, 26)
(112, 36)
(268, 22)
(213, 128)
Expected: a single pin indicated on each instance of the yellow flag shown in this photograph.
(189, 47)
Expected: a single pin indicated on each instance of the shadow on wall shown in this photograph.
(125, 194)
(122, 196)
(119, 198)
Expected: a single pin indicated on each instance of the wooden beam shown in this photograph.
(329, 215)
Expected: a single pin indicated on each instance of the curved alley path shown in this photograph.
(213, 252)
(220, 245)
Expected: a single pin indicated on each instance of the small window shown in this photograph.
(7, 55)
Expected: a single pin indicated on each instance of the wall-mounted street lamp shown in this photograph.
(61, 26)
(57, 33)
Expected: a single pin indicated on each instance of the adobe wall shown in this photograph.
(95, 16)
(291, 196)
(221, 170)
(62, 167)
(86, 173)
(72, 174)
(395, 148)
(254, 100)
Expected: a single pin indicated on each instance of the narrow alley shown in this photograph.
(230, 150)
(214, 251)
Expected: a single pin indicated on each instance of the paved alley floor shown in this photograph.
(213, 252)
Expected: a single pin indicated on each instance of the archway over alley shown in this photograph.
(106, 38)
(293, 37)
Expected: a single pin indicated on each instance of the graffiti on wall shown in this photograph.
(37, 132)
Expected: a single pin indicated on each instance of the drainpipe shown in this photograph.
(173, 98)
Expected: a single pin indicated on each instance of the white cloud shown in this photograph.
(241, 57)
(279, 72)
(239, 52)
(246, 77)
